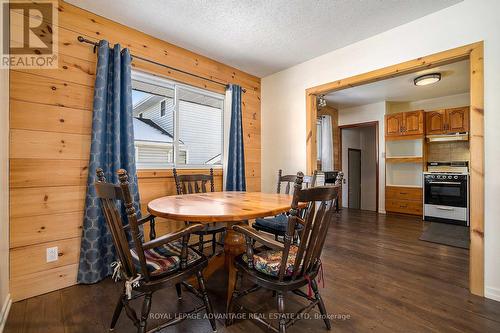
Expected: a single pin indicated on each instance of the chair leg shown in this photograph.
(214, 243)
(206, 300)
(230, 316)
(321, 304)
(116, 314)
(146, 307)
(281, 311)
(200, 245)
(223, 238)
(178, 288)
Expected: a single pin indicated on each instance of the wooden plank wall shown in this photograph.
(50, 125)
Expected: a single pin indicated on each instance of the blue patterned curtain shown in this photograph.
(235, 178)
(112, 148)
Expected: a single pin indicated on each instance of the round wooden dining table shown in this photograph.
(227, 207)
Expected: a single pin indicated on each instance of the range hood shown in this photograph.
(460, 136)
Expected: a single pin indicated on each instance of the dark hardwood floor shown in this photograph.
(378, 277)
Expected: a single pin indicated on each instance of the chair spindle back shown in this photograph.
(288, 180)
(316, 219)
(109, 195)
(188, 184)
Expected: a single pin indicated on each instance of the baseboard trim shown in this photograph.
(5, 312)
(492, 293)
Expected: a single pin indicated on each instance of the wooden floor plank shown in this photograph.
(377, 274)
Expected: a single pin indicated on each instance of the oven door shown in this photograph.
(446, 192)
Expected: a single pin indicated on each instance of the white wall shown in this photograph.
(451, 101)
(283, 97)
(363, 114)
(4, 193)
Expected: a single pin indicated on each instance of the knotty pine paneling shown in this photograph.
(70, 69)
(46, 90)
(30, 285)
(49, 118)
(30, 172)
(34, 201)
(32, 230)
(48, 145)
(68, 252)
(50, 122)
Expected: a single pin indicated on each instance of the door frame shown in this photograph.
(377, 150)
(348, 175)
(474, 52)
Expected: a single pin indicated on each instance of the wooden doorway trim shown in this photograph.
(377, 150)
(473, 52)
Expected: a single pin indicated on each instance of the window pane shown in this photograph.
(154, 133)
(200, 128)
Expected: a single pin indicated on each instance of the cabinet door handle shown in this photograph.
(403, 193)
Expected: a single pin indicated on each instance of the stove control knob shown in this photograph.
(456, 177)
(449, 177)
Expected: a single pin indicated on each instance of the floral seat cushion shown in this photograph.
(269, 261)
(164, 259)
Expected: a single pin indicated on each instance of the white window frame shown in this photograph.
(174, 85)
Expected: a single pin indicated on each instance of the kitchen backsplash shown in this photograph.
(448, 151)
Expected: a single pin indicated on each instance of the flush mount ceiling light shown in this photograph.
(321, 101)
(426, 79)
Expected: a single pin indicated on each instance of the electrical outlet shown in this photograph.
(52, 254)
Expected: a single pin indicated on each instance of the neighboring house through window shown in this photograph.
(176, 125)
(162, 108)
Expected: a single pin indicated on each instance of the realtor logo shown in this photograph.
(29, 38)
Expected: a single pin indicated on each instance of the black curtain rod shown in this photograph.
(95, 44)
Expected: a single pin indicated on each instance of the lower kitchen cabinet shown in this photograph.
(405, 200)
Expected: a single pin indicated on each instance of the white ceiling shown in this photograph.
(455, 79)
(262, 37)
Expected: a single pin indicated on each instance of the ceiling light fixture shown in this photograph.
(321, 101)
(426, 79)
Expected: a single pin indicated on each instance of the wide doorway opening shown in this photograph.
(359, 146)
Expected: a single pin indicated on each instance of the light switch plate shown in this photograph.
(52, 254)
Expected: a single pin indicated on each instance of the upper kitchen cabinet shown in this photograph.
(457, 120)
(393, 124)
(404, 125)
(435, 121)
(447, 121)
(414, 123)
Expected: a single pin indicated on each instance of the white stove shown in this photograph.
(446, 192)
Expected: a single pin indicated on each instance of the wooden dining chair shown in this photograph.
(285, 267)
(147, 266)
(277, 225)
(197, 183)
